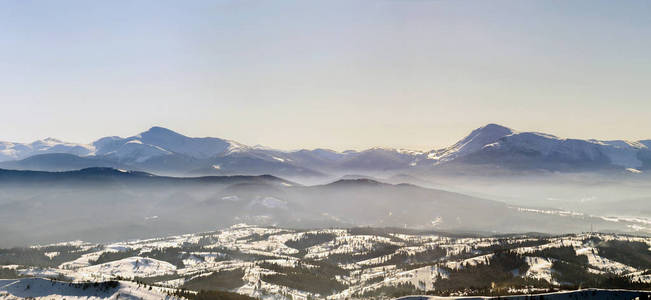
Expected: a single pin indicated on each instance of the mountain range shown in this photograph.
(162, 182)
(486, 150)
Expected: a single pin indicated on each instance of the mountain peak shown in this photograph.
(174, 142)
(494, 128)
(476, 140)
(485, 135)
(157, 130)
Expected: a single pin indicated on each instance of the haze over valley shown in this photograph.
(495, 180)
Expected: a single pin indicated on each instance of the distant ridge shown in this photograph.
(101, 173)
(162, 151)
(110, 204)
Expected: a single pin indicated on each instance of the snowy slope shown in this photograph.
(475, 141)
(496, 145)
(39, 288)
(132, 267)
(159, 141)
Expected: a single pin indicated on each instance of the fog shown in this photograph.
(103, 205)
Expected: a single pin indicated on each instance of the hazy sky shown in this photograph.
(338, 74)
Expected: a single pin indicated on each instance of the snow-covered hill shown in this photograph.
(131, 266)
(357, 263)
(40, 288)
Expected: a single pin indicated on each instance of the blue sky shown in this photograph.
(339, 74)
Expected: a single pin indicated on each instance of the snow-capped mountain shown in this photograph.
(164, 151)
(13, 151)
(492, 145)
(474, 142)
(159, 141)
(531, 150)
(158, 150)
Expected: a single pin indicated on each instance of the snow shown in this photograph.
(473, 142)
(623, 153)
(539, 268)
(640, 276)
(159, 141)
(619, 153)
(478, 260)
(346, 244)
(367, 275)
(495, 137)
(138, 152)
(83, 261)
(131, 267)
(39, 288)
(38, 272)
(596, 294)
(602, 263)
(14, 151)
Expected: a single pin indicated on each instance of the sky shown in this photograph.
(411, 74)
